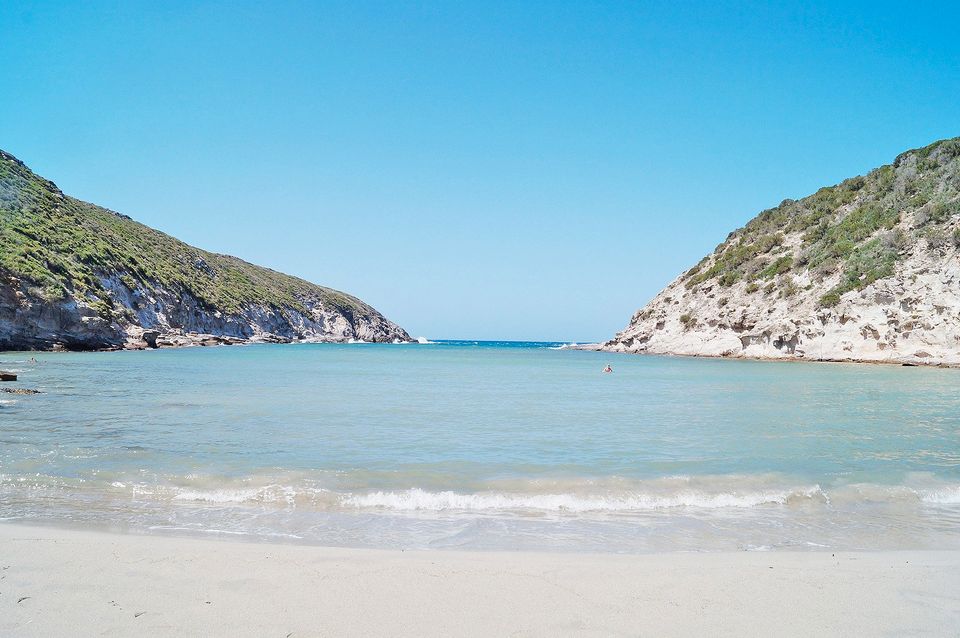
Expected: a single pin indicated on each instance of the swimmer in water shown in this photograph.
(608, 368)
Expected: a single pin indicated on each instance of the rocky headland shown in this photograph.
(77, 276)
(867, 270)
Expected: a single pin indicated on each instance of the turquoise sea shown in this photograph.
(484, 445)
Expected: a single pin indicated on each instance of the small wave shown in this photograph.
(218, 496)
(420, 500)
(267, 494)
(425, 341)
(936, 494)
(205, 530)
(356, 341)
(943, 496)
(171, 528)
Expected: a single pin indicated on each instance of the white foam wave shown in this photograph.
(942, 496)
(417, 499)
(267, 494)
(424, 340)
(936, 494)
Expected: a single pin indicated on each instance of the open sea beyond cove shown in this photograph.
(484, 445)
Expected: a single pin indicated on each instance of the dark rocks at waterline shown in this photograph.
(150, 338)
(7, 376)
(20, 391)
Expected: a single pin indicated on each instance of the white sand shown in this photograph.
(86, 583)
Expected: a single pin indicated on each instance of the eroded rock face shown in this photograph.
(159, 318)
(919, 321)
(27, 322)
(777, 300)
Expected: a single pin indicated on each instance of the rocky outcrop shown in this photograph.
(159, 318)
(79, 277)
(888, 289)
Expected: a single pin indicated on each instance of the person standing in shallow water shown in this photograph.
(608, 368)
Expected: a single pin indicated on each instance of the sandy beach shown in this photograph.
(58, 582)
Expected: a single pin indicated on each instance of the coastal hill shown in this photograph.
(77, 276)
(867, 270)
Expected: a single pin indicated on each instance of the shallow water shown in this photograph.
(485, 445)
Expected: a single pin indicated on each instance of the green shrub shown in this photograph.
(871, 261)
(729, 278)
(780, 266)
(936, 238)
(788, 288)
(830, 299)
(103, 307)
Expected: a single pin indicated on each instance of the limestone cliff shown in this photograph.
(867, 270)
(78, 276)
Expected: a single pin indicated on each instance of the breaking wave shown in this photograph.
(943, 496)
(586, 497)
(416, 499)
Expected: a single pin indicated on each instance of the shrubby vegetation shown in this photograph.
(856, 230)
(64, 246)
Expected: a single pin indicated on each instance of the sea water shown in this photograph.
(484, 445)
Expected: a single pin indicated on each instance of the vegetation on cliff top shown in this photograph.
(854, 232)
(65, 246)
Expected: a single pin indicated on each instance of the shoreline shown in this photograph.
(912, 363)
(584, 347)
(200, 340)
(58, 582)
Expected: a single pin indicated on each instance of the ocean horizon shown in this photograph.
(484, 445)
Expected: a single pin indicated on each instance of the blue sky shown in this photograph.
(485, 170)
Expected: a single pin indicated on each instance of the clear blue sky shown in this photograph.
(488, 170)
